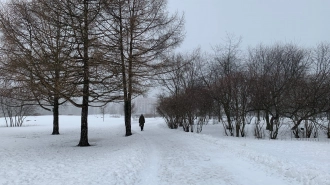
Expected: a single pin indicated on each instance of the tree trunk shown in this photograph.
(191, 123)
(84, 124)
(130, 77)
(271, 124)
(229, 126)
(237, 128)
(127, 107)
(296, 133)
(267, 120)
(126, 88)
(258, 115)
(328, 129)
(219, 112)
(243, 130)
(84, 110)
(56, 117)
(56, 103)
(274, 121)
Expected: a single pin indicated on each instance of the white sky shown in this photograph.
(304, 22)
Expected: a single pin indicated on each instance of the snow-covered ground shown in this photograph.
(157, 155)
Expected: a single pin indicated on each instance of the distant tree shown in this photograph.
(168, 108)
(13, 109)
(172, 80)
(241, 101)
(321, 58)
(202, 105)
(310, 97)
(103, 110)
(277, 71)
(187, 103)
(225, 62)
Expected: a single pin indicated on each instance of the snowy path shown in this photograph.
(186, 160)
(157, 156)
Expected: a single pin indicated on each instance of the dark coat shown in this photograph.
(141, 120)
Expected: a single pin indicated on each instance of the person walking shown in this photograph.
(141, 122)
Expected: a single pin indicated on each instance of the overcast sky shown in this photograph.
(304, 22)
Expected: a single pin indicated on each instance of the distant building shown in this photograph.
(145, 106)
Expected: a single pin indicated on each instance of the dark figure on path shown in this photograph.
(141, 121)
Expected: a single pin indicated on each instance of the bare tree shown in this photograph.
(140, 32)
(277, 72)
(172, 80)
(12, 108)
(226, 62)
(56, 49)
(311, 95)
(169, 109)
(35, 46)
(97, 77)
(181, 81)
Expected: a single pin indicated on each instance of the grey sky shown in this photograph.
(304, 22)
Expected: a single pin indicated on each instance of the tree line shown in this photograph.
(86, 52)
(266, 85)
